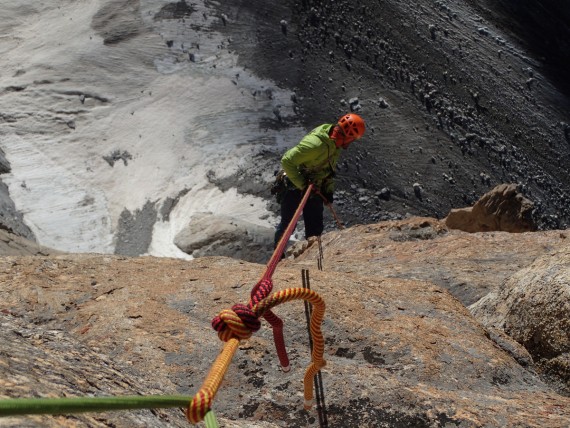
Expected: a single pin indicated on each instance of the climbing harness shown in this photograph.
(232, 325)
(279, 186)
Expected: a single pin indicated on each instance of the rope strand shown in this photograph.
(201, 403)
(56, 406)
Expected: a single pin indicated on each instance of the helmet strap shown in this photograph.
(338, 135)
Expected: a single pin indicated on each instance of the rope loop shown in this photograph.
(239, 321)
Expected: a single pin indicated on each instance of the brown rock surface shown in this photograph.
(533, 307)
(49, 363)
(401, 350)
(469, 265)
(504, 208)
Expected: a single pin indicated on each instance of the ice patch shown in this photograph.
(177, 120)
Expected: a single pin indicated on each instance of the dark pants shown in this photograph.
(312, 213)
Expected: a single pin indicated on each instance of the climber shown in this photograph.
(313, 160)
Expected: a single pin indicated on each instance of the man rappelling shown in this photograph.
(313, 161)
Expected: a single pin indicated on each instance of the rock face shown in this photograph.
(401, 349)
(469, 265)
(14, 245)
(533, 307)
(43, 362)
(454, 102)
(515, 284)
(11, 220)
(502, 209)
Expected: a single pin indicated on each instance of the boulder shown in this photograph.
(11, 220)
(502, 209)
(218, 235)
(533, 307)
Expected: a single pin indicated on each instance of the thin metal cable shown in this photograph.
(320, 257)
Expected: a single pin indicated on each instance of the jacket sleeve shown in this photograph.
(292, 161)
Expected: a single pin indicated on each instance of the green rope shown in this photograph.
(211, 421)
(61, 406)
(58, 406)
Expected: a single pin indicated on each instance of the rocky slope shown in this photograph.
(458, 96)
(402, 348)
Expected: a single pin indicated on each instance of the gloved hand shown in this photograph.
(329, 196)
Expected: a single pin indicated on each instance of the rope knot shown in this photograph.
(239, 321)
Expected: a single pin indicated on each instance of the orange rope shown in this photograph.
(201, 403)
(317, 361)
(241, 321)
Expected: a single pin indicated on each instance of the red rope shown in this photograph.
(265, 285)
(260, 292)
(276, 257)
(241, 321)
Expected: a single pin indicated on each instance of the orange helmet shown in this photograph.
(352, 125)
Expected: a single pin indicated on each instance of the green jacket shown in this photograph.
(313, 160)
